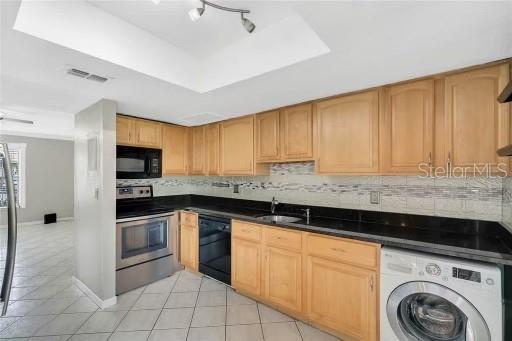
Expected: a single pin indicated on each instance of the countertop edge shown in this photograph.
(446, 250)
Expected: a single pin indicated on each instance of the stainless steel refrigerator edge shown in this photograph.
(12, 228)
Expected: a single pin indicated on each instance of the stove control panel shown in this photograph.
(134, 192)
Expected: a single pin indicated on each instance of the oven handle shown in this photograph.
(147, 166)
(124, 220)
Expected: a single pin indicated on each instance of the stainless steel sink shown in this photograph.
(279, 218)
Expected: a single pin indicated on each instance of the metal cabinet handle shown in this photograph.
(430, 159)
(371, 283)
(449, 164)
(11, 232)
(337, 249)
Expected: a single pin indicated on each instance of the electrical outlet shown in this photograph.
(374, 197)
(236, 188)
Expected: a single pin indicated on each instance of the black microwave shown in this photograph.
(138, 163)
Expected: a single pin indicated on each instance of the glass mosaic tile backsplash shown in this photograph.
(473, 198)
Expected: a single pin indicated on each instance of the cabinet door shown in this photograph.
(197, 163)
(476, 125)
(283, 278)
(407, 127)
(213, 148)
(246, 266)
(149, 134)
(237, 146)
(342, 297)
(189, 246)
(267, 136)
(174, 150)
(297, 132)
(348, 134)
(125, 130)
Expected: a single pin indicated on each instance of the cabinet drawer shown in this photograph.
(342, 250)
(189, 218)
(282, 238)
(245, 230)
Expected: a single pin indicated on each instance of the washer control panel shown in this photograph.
(468, 275)
(433, 269)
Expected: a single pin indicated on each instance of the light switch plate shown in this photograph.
(374, 197)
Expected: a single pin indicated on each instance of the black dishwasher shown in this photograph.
(215, 247)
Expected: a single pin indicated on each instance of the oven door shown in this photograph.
(142, 239)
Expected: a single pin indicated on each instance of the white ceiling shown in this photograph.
(371, 43)
(216, 29)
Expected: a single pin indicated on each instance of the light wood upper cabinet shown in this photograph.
(285, 135)
(125, 130)
(237, 146)
(213, 148)
(407, 127)
(342, 297)
(198, 151)
(297, 132)
(174, 150)
(475, 124)
(138, 132)
(348, 131)
(189, 240)
(267, 136)
(148, 133)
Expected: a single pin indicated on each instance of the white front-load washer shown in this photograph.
(427, 297)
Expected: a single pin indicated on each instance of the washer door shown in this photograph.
(424, 311)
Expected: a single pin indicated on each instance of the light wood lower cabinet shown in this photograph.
(342, 297)
(189, 240)
(246, 266)
(329, 282)
(282, 276)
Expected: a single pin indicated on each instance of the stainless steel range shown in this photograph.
(146, 239)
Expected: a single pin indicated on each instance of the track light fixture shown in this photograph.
(196, 13)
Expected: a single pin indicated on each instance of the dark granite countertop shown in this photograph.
(471, 239)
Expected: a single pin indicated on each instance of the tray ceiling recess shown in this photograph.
(285, 41)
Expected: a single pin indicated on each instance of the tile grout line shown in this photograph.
(261, 324)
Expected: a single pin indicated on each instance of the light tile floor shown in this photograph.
(45, 305)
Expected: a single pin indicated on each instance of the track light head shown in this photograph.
(195, 13)
(248, 25)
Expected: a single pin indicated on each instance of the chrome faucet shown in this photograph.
(273, 205)
(307, 213)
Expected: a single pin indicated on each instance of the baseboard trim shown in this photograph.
(99, 302)
(39, 222)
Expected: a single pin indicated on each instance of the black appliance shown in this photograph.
(138, 163)
(215, 247)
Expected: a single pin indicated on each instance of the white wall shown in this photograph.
(95, 202)
(49, 178)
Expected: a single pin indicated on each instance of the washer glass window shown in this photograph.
(425, 311)
(431, 318)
